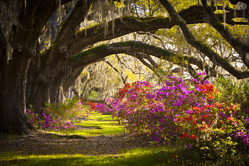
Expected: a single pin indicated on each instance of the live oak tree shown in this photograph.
(30, 23)
(69, 54)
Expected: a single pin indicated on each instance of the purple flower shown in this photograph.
(69, 123)
(206, 82)
(199, 74)
(247, 120)
(246, 140)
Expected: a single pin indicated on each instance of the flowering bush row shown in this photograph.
(54, 114)
(45, 122)
(186, 111)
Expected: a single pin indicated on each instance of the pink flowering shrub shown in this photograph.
(54, 116)
(185, 111)
(45, 122)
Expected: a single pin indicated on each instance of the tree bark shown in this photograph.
(53, 26)
(13, 117)
(56, 85)
(24, 36)
(57, 55)
(70, 79)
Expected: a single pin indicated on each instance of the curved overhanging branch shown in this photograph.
(96, 54)
(241, 48)
(231, 14)
(123, 26)
(153, 66)
(127, 25)
(138, 50)
(213, 56)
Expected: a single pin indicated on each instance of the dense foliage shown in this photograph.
(186, 112)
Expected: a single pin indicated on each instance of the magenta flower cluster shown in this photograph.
(153, 110)
(45, 121)
(172, 108)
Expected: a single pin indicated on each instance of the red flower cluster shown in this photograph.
(122, 91)
(208, 89)
(188, 136)
(92, 105)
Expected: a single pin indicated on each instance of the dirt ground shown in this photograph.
(43, 143)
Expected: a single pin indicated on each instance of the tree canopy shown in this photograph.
(43, 42)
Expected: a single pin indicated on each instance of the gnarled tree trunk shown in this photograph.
(55, 87)
(13, 117)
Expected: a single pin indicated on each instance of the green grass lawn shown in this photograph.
(101, 125)
(135, 157)
(98, 116)
(106, 126)
(145, 156)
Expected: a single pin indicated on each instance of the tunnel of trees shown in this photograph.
(46, 44)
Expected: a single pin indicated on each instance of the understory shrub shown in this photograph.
(234, 92)
(55, 115)
(45, 122)
(66, 110)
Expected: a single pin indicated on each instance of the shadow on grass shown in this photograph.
(72, 136)
(126, 159)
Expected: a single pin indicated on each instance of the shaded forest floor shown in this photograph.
(44, 143)
(42, 148)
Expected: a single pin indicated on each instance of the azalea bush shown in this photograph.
(45, 122)
(90, 104)
(55, 116)
(187, 112)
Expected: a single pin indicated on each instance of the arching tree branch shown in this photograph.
(192, 15)
(130, 47)
(213, 56)
(241, 48)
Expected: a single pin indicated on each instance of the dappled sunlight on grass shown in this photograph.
(105, 146)
(98, 116)
(139, 156)
(98, 125)
(108, 130)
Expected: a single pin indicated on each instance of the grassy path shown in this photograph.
(98, 141)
